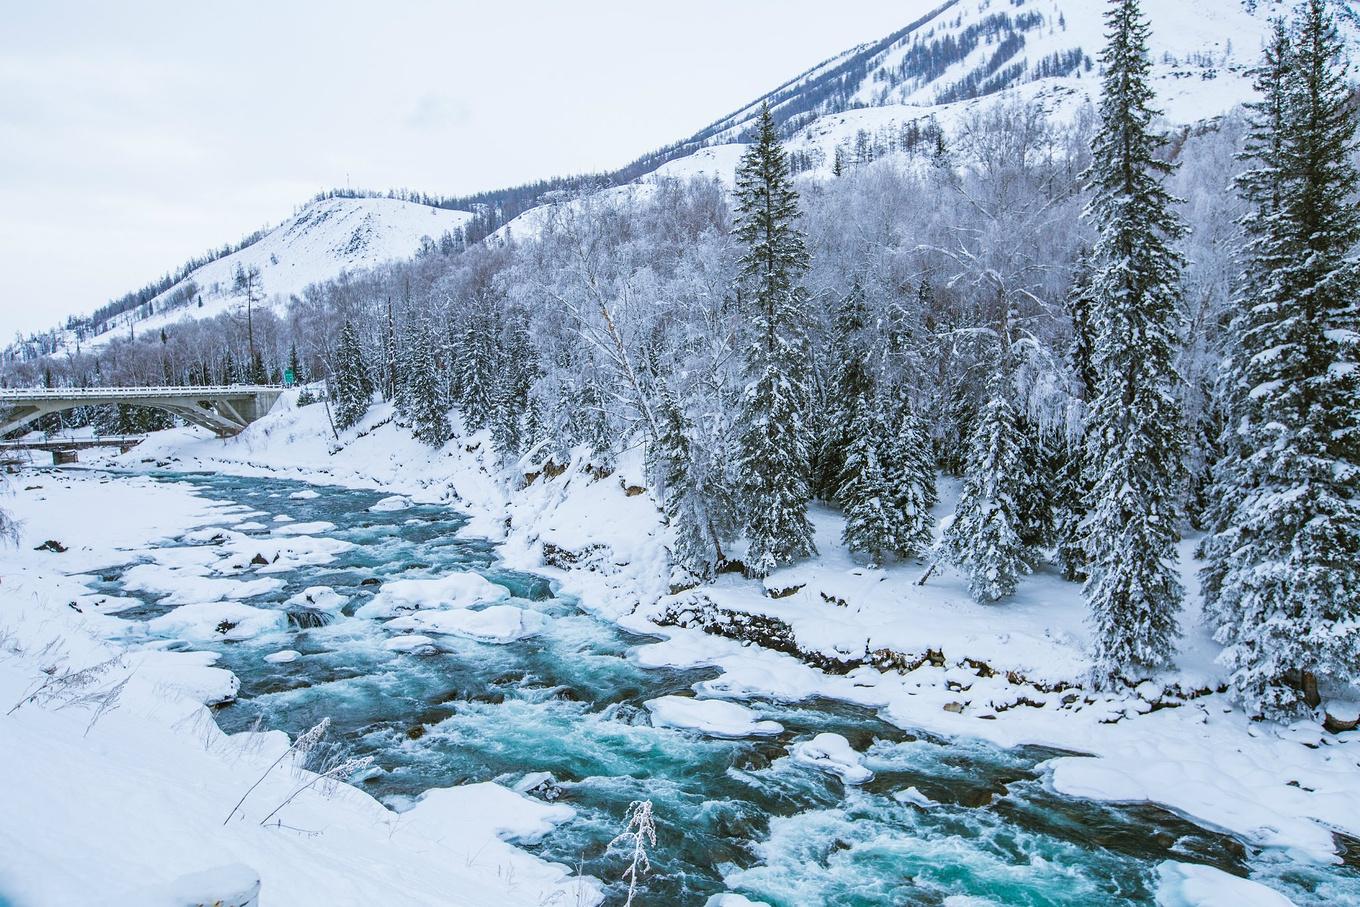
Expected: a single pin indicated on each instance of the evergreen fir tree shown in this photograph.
(1071, 478)
(1283, 576)
(1134, 435)
(773, 446)
(909, 471)
(849, 383)
(349, 388)
(424, 396)
(984, 538)
(694, 499)
(871, 520)
(295, 364)
(474, 358)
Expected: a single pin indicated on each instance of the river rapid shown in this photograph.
(563, 713)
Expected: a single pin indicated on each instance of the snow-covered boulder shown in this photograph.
(497, 624)
(319, 598)
(832, 753)
(283, 657)
(389, 504)
(1194, 885)
(714, 717)
(217, 620)
(510, 815)
(411, 642)
(457, 590)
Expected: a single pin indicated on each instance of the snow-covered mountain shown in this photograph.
(952, 56)
(325, 237)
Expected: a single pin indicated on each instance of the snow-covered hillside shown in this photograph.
(949, 58)
(964, 55)
(323, 239)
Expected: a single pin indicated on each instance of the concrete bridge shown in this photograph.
(224, 410)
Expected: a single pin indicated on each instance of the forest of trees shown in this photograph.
(1110, 338)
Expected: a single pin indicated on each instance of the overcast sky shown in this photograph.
(135, 135)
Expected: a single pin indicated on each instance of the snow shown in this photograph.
(914, 796)
(496, 624)
(411, 642)
(217, 620)
(832, 753)
(509, 815)
(713, 717)
(283, 657)
(157, 763)
(319, 242)
(391, 503)
(1194, 885)
(456, 590)
(319, 598)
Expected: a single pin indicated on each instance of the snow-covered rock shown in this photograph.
(496, 624)
(713, 717)
(217, 620)
(391, 503)
(319, 598)
(410, 642)
(832, 753)
(457, 590)
(283, 656)
(513, 816)
(1195, 885)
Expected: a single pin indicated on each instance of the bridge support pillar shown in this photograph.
(62, 457)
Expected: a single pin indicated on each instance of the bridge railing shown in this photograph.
(115, 393)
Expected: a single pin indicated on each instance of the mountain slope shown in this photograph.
(324, 238)
(875, 99)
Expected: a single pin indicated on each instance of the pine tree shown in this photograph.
(849, 383)
(424, 396)
(872, 523)
(909, 471)
(984, 538)
(773, 446)
(474, 356)
(1071, 478)
(1134, 435)
(349, 388)
(694, 501)
(1283, 577)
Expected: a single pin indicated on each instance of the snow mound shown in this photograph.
(319, 598)
(316, 527)
(497, 624)
(728, 899)
(389, 504)
(283, 657)
(511, 816)
(1193, 885)
(832, 753)
(217, 620)
(713, 717)
(914, 796)
(305, 495)
(410, 642)
(457, 590)
(181, 587)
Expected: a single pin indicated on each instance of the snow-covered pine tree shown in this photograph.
(909, 472)
(693, 499)
(1283, 580)
(872, 522)
(1134, 435)
(773, 442)
(847, 383)
(1071, 478)
(474, 354)
(423, 387)
(983, 540)
(349, 387)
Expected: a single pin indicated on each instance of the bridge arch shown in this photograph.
(224, 410)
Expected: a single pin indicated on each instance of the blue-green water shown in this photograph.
(732, 814)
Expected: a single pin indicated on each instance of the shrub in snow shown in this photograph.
(639, 834)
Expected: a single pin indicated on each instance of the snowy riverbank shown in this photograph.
(122, 802)
(1008, 673)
